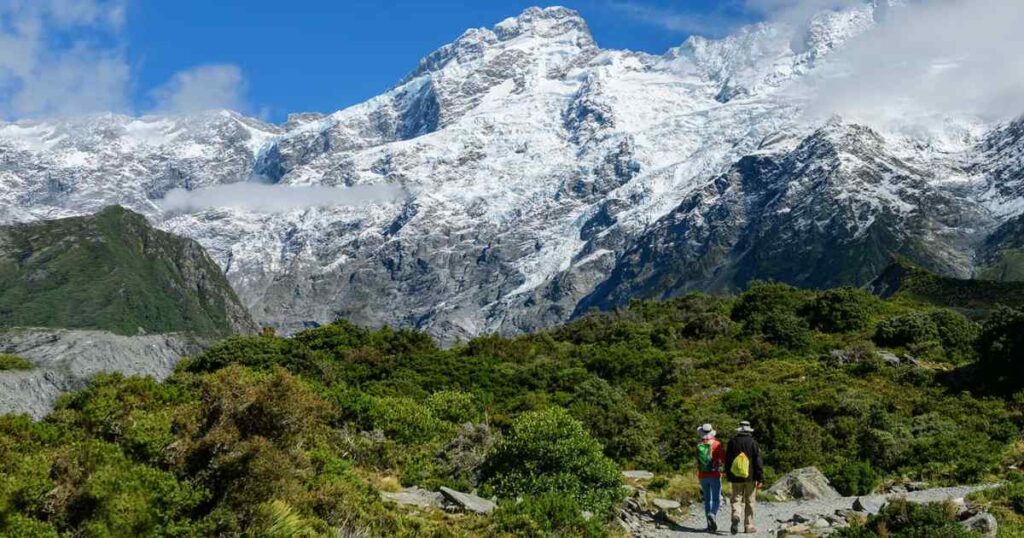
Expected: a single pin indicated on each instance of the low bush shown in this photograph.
(909, 329)
(841, 310)
(13, 362)
(549, 452)
(903, 519)
(853, 477)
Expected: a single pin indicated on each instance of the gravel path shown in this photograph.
(768, 514)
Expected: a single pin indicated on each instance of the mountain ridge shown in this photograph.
(536, 162)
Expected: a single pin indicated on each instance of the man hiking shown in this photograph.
(710, 461)
(745, 471)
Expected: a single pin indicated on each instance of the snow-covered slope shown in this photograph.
(536, 165)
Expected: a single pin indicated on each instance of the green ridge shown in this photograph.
(112, 271)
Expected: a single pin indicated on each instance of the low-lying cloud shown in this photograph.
(263, 198)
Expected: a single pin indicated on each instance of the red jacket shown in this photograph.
(717, 461)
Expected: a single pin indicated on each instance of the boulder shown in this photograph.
(414, 496)
(638, 475)
(666, 505)
(806, 483)
(468, 501)
(889, 358)
(983, 523)
(867, 505)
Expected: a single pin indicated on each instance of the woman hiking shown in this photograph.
(710, 462)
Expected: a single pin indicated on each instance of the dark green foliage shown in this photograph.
(841, 310)
(771, 310)
(1001, 349)
(906, 330)
(13, 362)
(549, 452)
(956, 333)
(786, 330)
(609, 415)
(764, 300)
(112, 271)
(902, 519)
(853, 478)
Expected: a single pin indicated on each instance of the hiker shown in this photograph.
(745, 471)
(710, 461)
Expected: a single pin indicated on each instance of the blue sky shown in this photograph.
(323, 55)
(272, 57)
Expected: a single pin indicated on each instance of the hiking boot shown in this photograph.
(750, 530)
(712, 524)
(735, 529)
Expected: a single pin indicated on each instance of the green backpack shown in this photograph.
(705, 457)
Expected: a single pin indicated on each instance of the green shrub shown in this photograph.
(841, 310)
(956, 332)
(909, 329)
(550, 452)
(406, 420)
(903, 519)
(853, 478)
(764, 298)
(1001, 349)
(786, 330)
(610, 416)
(258, 353)
(454, 406)
(14, 362)
(548, 514)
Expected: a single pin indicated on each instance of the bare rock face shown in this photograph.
(64, 360)
(807, 483)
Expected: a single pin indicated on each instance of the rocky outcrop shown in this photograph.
(468, 502)
(443, 499)
(807, 483)
(415, 496)
(64, 360)
(984, 524)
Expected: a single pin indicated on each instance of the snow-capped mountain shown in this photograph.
(545, 175)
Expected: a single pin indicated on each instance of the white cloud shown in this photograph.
(794, 11)
(263, 198)
(678, 20)
(205, 87)
(67, 57)
(61, 57)
(927, 61)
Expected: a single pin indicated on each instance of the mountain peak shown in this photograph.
(543, 22)
(552, 27)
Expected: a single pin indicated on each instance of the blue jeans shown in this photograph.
(711, 488)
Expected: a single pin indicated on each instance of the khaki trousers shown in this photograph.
(743, 497)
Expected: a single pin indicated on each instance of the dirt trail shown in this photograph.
(768, 514)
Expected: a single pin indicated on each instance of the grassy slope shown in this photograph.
(904, 280)
(110, 271)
